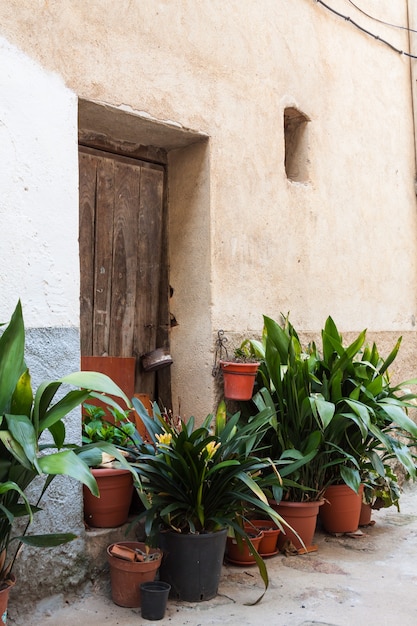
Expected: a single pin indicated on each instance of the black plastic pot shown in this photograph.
(192, 564)
(154, 596)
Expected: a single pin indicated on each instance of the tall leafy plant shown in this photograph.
(369, 415)
(333, 413)
(297, 419)
(25, 454)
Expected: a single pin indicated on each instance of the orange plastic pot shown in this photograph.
(238, 379)
(268, 544)
(341, 510)
(242, 554)
(111, 509)
(126, 576)
(302, 517)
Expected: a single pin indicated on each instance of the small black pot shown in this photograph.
(154, 596)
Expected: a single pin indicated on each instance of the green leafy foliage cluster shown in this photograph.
(98, 427)
(333, 412)
(25, 417)
(201, 479)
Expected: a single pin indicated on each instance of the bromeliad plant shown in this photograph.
(202, 479)
(24, 451)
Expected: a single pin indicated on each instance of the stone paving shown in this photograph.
(367, 580)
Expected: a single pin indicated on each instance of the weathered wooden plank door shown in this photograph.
(123, 260)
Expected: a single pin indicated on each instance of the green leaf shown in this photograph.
(325, 410)
(68, 464)
(22, 431)
(15, 449)
(12, 346)
(22, 398)
(399, 416)
(351, 477)
(46, 541)
(12, 486)
(95, 381)
(58, 411)
(57, 431)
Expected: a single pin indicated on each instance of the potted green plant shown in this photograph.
(107, 424)
(25, 418)
(295, 435)
(379, 492)
(367, 414)
(239, 373)
(196, 484)
(331, 412)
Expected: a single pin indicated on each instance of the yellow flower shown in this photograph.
(164, 439)
(211, 448)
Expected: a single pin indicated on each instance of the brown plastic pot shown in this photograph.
(4, 598)
(111, 509)
(302, 517)
(127, 576)
(239, 379)
(242, 554)
(341, 510)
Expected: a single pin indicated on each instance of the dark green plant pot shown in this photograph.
(192, 564)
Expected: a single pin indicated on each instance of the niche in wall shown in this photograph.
(296, 145)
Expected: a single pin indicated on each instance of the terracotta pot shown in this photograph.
(268, 545)
(4, 598)
(111, 509)
(127, 576)
(365, 514)
(243, 555)
(341, 511)
(239, 379)
(302, 517)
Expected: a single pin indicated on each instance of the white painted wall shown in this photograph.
(39, 193)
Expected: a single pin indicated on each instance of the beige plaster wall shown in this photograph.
(342, 243)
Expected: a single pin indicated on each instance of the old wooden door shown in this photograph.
(123, 260)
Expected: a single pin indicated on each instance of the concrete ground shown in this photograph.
(366, 580)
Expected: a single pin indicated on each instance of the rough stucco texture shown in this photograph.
(39, 193)
(51, 353)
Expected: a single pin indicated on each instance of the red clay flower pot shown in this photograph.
(302, 517)
(365, 516)
(268, 545)
(111, 509)
(242, 554)
(127, 576)
(239, 379)
(341, 510)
